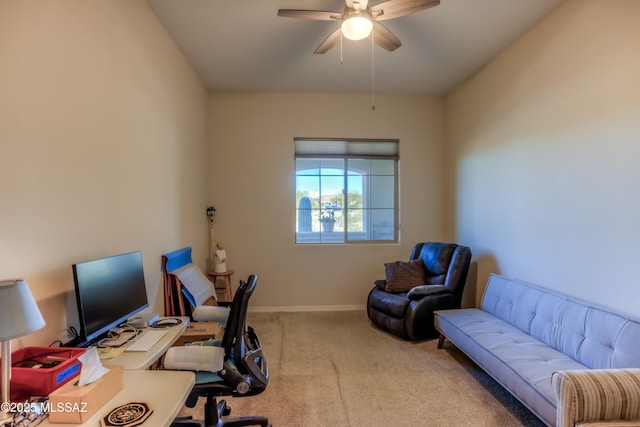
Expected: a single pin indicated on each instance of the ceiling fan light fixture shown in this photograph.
(356, 27)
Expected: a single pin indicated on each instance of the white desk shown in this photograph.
(144, 359)
(164, 391)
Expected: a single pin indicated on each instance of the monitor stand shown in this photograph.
(143, 320)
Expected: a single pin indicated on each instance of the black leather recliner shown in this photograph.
(409, 315)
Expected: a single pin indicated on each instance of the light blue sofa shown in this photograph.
(523, 333)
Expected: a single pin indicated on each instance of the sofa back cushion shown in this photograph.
(593, 336)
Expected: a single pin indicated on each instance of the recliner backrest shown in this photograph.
(445, 264)
(436, 257)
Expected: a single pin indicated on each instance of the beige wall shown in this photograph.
(102, 142)
(251, 184)
(545, 143)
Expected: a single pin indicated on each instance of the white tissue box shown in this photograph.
(76, 404)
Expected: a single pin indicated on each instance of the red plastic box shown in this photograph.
(37, 371)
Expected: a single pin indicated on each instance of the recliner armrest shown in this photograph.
(425, 290)
(380, 284)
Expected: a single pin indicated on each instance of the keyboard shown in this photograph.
(145, 341)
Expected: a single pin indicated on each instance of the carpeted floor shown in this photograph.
(336, 369)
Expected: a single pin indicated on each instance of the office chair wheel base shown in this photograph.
(223, 408)
(192, 400)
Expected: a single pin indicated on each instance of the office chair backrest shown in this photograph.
(244, 361)
(235, 332)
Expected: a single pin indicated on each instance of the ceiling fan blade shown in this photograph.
(396, 8)
(385, 38)
(318, 15)
(331, 40)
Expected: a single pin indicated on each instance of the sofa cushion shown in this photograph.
(593, 336)
(404, 276)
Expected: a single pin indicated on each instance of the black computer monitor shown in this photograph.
(108, 292)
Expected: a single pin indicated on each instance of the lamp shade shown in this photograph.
(19, 313)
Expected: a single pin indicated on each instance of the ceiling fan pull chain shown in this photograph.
(341, 59)
(373, 96)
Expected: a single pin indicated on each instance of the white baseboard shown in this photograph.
(299, 308)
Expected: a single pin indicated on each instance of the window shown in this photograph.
(346, 190)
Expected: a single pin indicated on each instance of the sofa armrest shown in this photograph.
(597, 395)
(425, 290)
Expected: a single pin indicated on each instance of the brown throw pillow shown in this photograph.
(404, 276)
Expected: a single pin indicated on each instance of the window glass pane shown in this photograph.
(331, 190)
(382, 167)
(304, 219)
(359, 166)
(307, 200)
(332, 166)
(355, 220)
(307, 166)
(354, 192)
(381, 192)
(383, 226)
(358, 236)
(330, 209)
(307, 186)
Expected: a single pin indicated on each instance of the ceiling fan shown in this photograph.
(359, 19)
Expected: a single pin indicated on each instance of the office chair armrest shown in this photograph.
(424, 290)
(211, 313)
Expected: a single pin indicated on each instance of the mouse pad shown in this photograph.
(127, 415)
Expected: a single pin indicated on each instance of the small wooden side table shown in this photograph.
(223, 291)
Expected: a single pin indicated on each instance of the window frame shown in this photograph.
(351, 149)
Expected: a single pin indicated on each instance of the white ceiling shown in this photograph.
(243, 44)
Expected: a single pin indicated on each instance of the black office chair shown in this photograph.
(240, 371)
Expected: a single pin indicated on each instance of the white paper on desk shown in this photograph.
(92, 368)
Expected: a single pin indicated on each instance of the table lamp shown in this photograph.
(19, 315)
